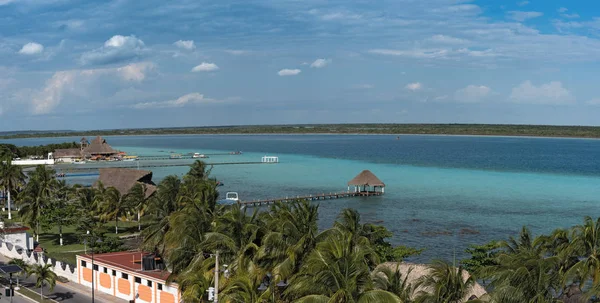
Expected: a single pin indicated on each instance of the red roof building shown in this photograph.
(128, 275)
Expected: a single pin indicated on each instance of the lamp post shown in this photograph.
(92, 249)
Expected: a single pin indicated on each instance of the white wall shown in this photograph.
(62, 269)
(19, 239)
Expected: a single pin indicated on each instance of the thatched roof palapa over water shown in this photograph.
(123, 179)
(98, 146)
(366, 178)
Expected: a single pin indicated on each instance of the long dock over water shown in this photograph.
(322, 196)
(84, 168)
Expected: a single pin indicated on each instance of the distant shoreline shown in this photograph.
(484, 130)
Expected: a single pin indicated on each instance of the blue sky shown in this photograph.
(114, 64)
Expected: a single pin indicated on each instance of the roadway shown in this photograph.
(70, 292)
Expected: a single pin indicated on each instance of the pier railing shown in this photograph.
(322, 196)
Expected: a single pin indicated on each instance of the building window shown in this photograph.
(83, 263)
(159, 286)
(124, 276)
(105, 270)
(149, 283)
(95, 267)
(114, 273)
(138, 280)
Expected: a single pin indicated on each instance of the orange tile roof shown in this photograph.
(129, 261)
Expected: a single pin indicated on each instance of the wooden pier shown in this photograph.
(323, 196)
(81, 167)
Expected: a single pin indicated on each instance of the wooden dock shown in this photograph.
(81, 167)
(322, 196)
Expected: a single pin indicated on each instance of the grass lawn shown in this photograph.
(72, 246)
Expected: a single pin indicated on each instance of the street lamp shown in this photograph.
(92, 248)
(10, 269)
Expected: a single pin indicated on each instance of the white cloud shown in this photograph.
(523, 3)
(414, 86)
(205, 67)
(185, 44)
(31, 48)
(523, 16)
(549, 93)
(319, 63)
(73, 82)
(237, 52)
(116, 49)
(570, 16)
(447, 39)
(562, 10)
(472, 93)
(47, 99)
(418, 53)
(192, 98)
(135, 71)
(288, 72)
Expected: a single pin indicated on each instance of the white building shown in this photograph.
(18, 236)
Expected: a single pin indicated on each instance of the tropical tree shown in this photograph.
(11, 179)
(198, 171)
(337, 270)
(390, 278)
(137, 199)
(36, 196)
(292, 235)
(43, 275)
(62, 209)
(112, 205)
(162, 204)
(586, 245)
(444, 283)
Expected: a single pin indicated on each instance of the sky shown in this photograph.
(82, 65)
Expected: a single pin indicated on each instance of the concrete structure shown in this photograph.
(270, 159)
(68, 155)
(18, 236)
(61, 269)
(47, 161)
(128, 275)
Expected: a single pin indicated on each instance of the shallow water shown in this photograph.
(442, 192)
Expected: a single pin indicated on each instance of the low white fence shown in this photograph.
(60, 268)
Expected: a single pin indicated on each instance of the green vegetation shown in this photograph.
(12, 151)
(420, 129)
(279, 255)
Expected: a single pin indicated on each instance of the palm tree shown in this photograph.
(586, 243)
(162, 204)
(137, 199)
(198, 171)
(245, 288)
(44, 275)
(337, 270)
(111, 204)
(11, 179)
(35, 196)
(62, 211)
(393, 281)
(291, 237)
(444, 283)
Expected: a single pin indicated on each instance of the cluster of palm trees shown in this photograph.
(44, 276)
(45, 201)
(280, 255)
(276, 255)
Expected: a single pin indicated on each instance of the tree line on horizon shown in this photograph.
(280, 255)
(351, 128)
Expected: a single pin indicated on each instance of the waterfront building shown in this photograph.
(123, 179)
(366, 183)
(129, 275)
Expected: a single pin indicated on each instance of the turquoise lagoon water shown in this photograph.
(442, 192)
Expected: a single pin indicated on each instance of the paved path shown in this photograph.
(63, 292)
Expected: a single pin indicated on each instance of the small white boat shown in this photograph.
(230, 198)
(199, 155)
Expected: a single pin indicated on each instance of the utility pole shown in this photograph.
(216, 277)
